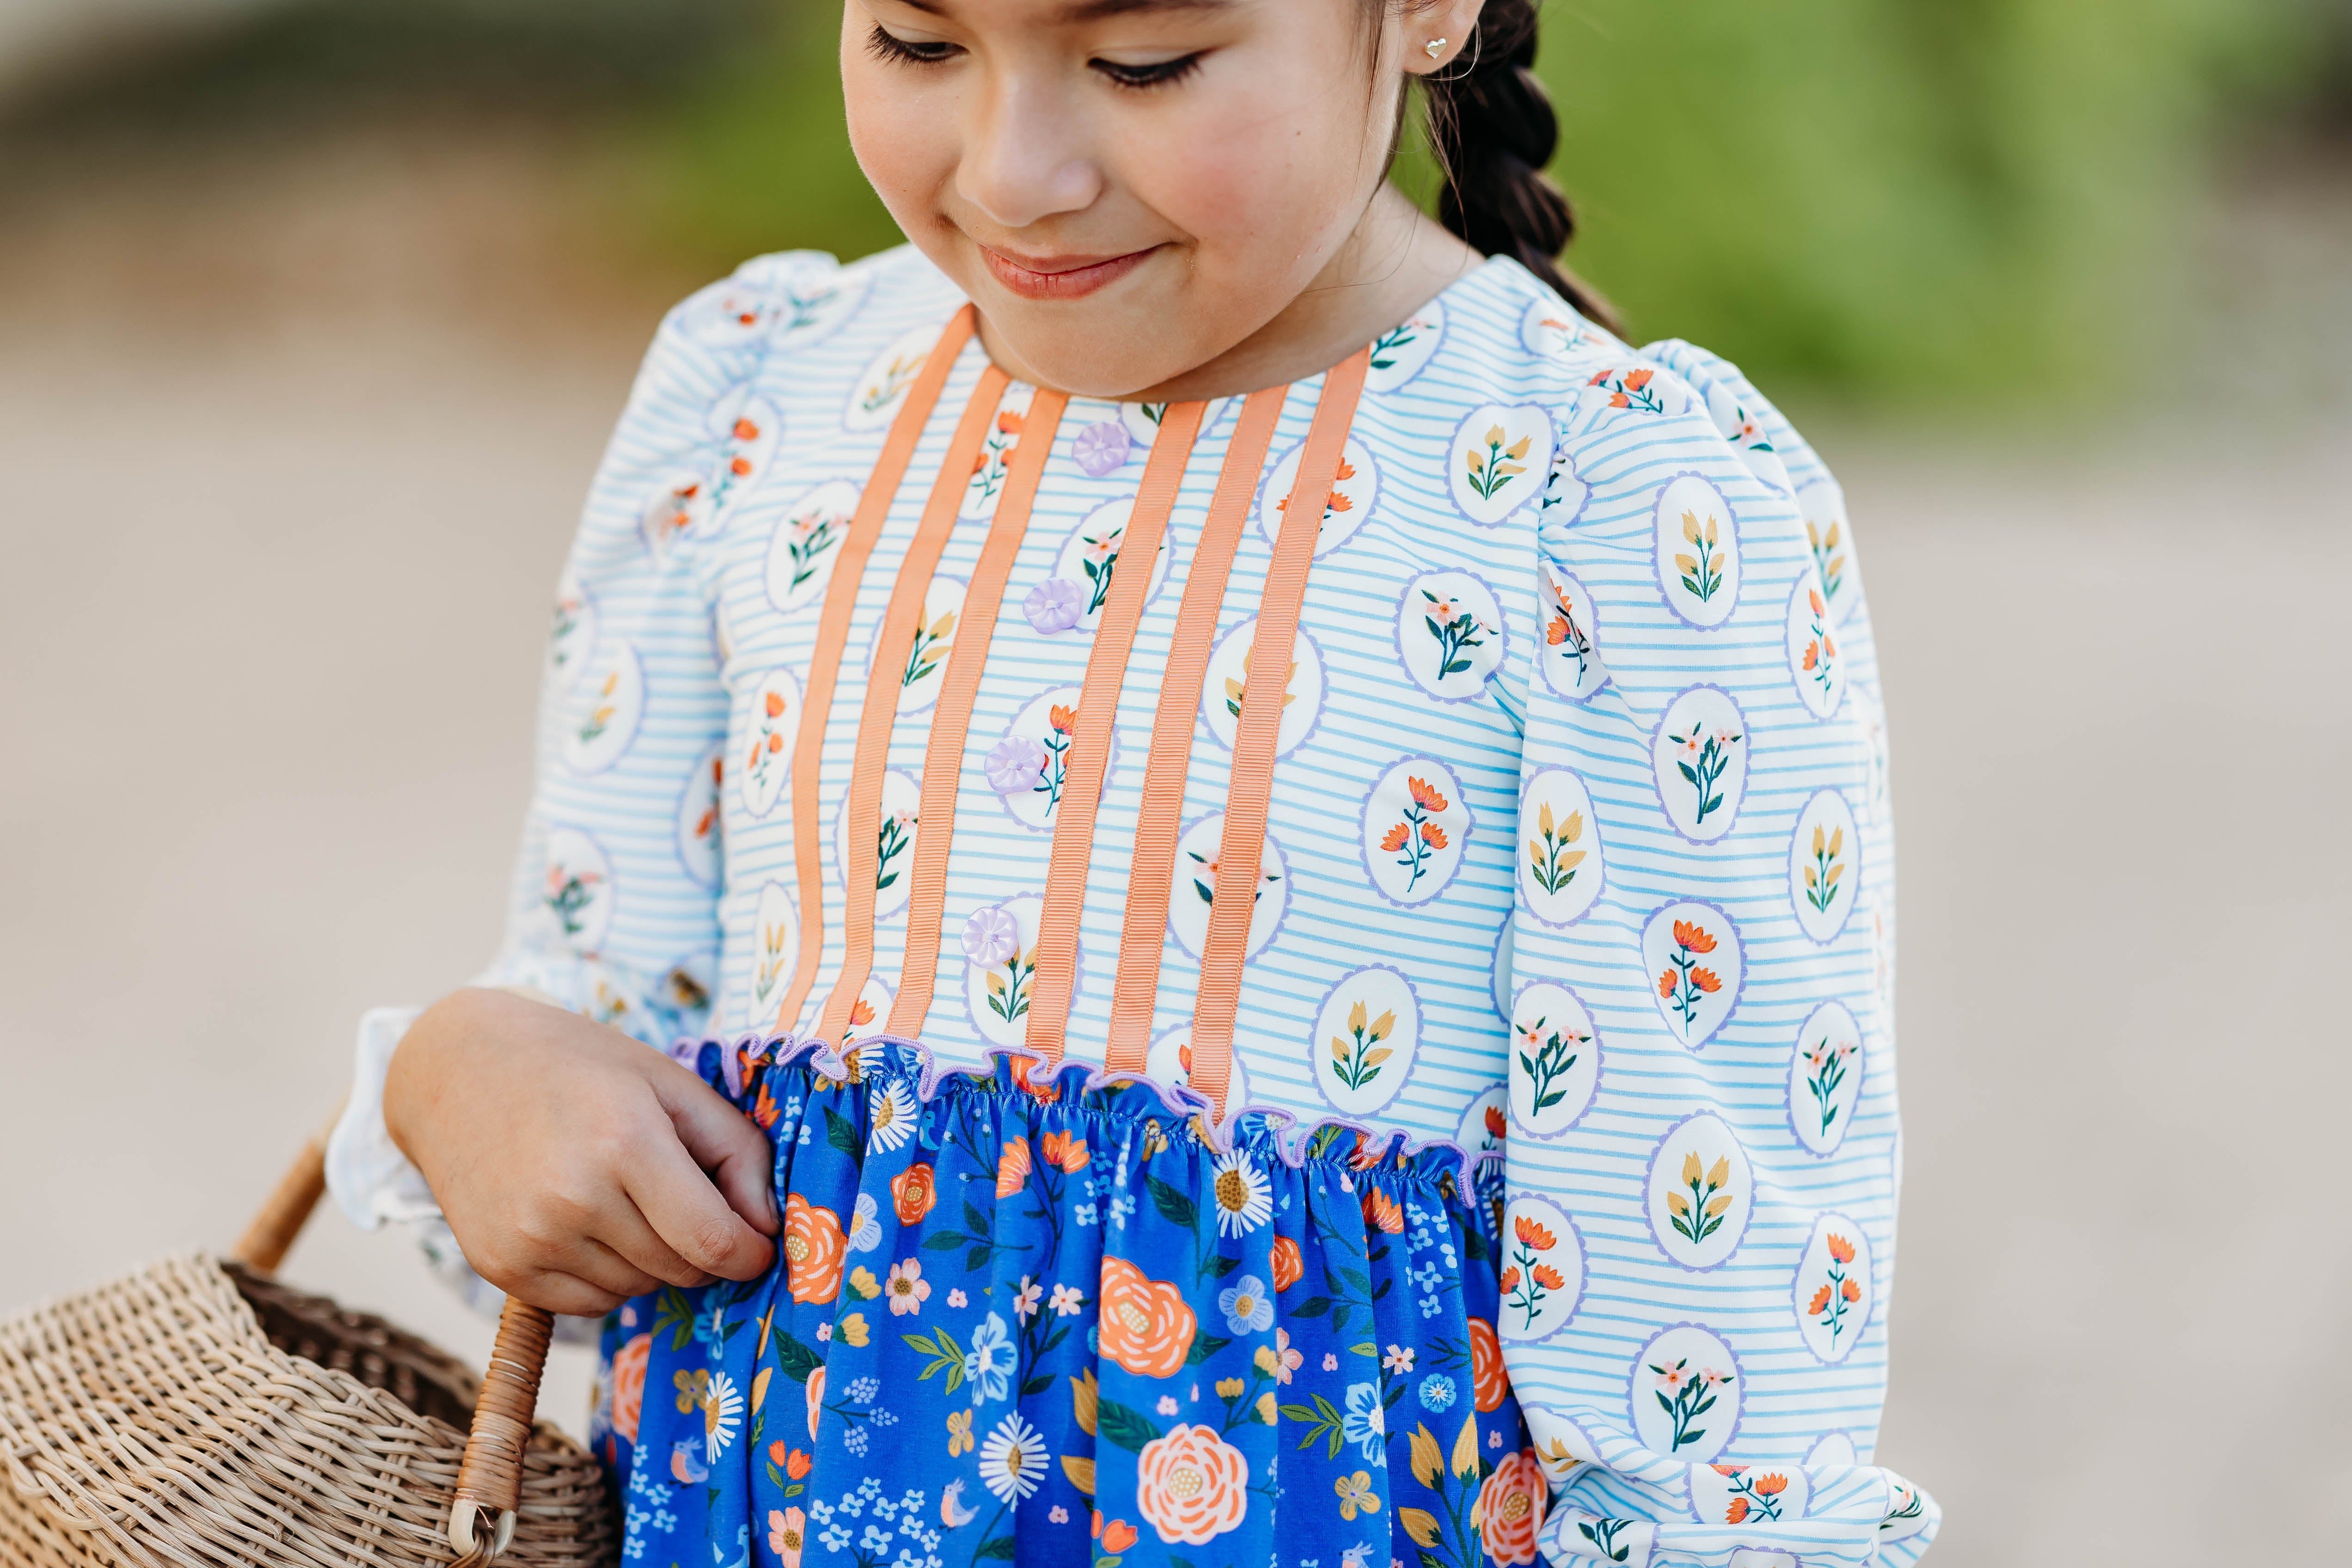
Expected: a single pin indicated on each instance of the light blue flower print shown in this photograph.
(865, 1225)
(1245, 1306)
(988, 1365)
(1365, 1424)
(1437, 1391)
(1083, 1214)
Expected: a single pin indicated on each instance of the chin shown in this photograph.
(1110, 349)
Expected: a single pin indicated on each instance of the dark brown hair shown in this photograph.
(1492, 128)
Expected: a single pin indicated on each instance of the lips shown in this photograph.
(1070, 276)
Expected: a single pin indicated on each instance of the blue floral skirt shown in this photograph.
(1022, 1317)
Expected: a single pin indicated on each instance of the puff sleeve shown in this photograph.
(614, 907)
(1699, 1205)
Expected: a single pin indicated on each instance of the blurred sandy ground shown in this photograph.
(289, 457)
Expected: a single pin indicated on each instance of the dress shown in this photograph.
(1438, 1110)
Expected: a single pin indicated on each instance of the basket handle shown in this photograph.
(489, 1479)
(272, 1232)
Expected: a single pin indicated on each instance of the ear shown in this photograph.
(1450, 25)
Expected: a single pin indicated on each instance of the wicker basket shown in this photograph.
(200, 1413)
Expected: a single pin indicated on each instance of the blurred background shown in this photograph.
(314, 316)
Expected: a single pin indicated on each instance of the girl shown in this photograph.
(1276, 847)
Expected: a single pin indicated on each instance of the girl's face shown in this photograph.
(1128, 188)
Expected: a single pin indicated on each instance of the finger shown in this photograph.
(687, 1213)
(596, 1264)
(636, 1243)
(566, 1295)
(723, 1142)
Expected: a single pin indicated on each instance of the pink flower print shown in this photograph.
(990, 936)
(1014, 765)
(1102, 447)
(1054, 605)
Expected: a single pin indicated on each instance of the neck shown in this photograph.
(1395, 261)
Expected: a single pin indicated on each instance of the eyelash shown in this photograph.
(886, 46)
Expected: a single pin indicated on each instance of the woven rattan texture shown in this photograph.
(154, 1421)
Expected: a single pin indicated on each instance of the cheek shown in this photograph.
(1262, 202)
(895, 136)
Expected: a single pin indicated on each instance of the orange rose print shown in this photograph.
(1488, 1381)
(629, 1384)
(1511, 1509)
(1289, 1266)
(1145, 1325)
(814, 1245)
(913, 1191)
(1191, 1485)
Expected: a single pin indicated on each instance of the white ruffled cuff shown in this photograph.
(371, 1180)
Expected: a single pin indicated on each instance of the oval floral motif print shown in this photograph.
(1833, 1289)
(1193, 893)
(1353, 490)
(1091, 556)
(1366, 1035)
(1825, 1077)
(1228, 677)
(1824, 865)
(1827, 535)
(1816, 650)
(1699, 1192)
(1501, 458)
(1753, 1495)
(1000, 967)
(1747, 436)
(1415, 829)
(1555, 1060)
(765, 729)
(606, 707)
(800, 551)
(893, 848)
(1485, 1122)
(874, 400)
(1543, 1269)
(1698, 758)
(1449, 632)
(1031, 764)
(873, 1003)
(1570, 660)
(1559, 847)
(1695, 967)
(575, 894)
(700, 825)
(775, 949)
(925, 671)
(1684, 1394)
(1697, 551)
(1548, 327)
(986, 486)
(572, 634)
(1399, 353)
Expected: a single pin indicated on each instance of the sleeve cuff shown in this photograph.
(371, 1180)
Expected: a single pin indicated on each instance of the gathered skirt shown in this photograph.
(1023, 1317)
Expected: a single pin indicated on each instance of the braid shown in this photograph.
(1493, 131)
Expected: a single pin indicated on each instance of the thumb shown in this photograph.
(723, 1142)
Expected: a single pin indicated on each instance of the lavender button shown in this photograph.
(1053, 605)
(1102, 447)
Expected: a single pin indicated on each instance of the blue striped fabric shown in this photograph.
(1580, 851)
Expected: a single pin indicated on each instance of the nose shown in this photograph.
(1028, 158)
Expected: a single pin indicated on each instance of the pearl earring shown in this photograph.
(1434, 47)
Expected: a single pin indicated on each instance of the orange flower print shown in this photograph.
(1704, 979)
(1666, 980)
(1533, 1234)
(913, 1191)
(1692, 936)
(1191, 1486)
(1683, 983)
(1011, 1167)
(1629, 389)
(1529, 1281)
(629, 1384)
(1511, 1509)
(1497, 1127)
(1830, 1303)
(1758, 1497)
(1383, 1212)
(1821, 649)
(1289, 1266)
(861, 1012)
(1117, 1536)
(1839, 1247)
(1489, 1382)
(814, 1245)
(1067, 1152)
(1065, 719)
(1145, 1325)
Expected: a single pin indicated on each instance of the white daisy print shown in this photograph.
(722, 1412)
(1244, 1201)
(894, 1117)
(1013, 1459)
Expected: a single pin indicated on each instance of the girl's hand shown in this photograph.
(571, 1160)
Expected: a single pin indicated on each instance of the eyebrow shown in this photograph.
(1098, 10)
